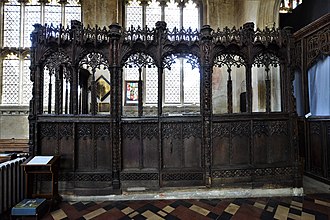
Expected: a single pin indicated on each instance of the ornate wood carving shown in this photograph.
(48, 130)
(65, 130)
(315, 128)
(269, 128)
(113, 48)
(221, 130)
(191, 130)
(138, 176)
(236, 173)
(171, 130)
(84, 130)
(182, 176)
(241, 129)
(131, 131)
(102, 131)
(150, 131)
(107, 177)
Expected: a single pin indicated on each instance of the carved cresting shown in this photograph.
(318, 44)
(193, 135)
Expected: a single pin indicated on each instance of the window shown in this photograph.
(287, 5)
(181, 84)
(17, 22)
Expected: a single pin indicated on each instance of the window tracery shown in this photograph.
(18, 20)
(181, 81)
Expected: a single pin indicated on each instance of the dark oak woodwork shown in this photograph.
(106, 153)
(311, 44)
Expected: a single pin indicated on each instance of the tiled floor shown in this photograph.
(314, 205)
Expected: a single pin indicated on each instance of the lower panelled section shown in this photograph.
(166, 154)
(253, 153)
(317, 148)
(150, 154)
(86, 156)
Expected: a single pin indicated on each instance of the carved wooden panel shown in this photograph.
(270, 142)
(316, 148)
(114, 151)
(57, 138)
(140, 145)
(220, 144)
(84, 152)
(181, 145)
(240, 144)
(231, 143)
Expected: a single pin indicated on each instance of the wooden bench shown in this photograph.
(14, 145)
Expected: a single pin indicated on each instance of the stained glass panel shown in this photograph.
(11, 25)
(10, 89)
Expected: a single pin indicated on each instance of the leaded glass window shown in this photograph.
(10, 89)
(53, 13)
(12, 24)
(26, 84)
(18, 20)
(181, 84)
(287, 5)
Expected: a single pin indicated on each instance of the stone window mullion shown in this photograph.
(2, 3)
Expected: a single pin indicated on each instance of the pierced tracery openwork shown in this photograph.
(136, 67)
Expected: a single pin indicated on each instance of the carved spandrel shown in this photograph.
(131, 131)
(260, 128)
(65, 131)
(191, 130)
(150, 131)
(315, 128)
(102, 131)
(171, 130)
(48, 130)
(241, 129)
(278, 128)
(84, 130)
(267, 128)
(221, 130)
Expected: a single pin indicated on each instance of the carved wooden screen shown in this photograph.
(223, 142)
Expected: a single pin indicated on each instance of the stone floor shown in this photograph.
(314, 204)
